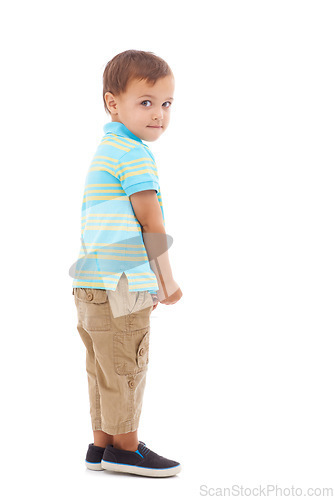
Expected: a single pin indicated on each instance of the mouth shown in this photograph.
(154, 126)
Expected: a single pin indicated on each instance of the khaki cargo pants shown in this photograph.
(115, 328)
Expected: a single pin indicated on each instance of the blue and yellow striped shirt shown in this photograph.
(111, 235)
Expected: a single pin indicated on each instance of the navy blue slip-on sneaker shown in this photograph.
(143, 462)
(94, 456)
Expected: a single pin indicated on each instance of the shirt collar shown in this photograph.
(119, 128)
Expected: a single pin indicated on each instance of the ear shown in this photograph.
(110, 102)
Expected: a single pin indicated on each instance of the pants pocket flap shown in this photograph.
(142, 351)
(91, 295)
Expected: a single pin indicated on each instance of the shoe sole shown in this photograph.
(141, 471)
(93, 466)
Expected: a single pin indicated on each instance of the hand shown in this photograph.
(155, 300)
(174, 294)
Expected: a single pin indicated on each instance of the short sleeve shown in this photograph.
(137, 171)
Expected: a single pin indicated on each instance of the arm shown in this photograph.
(148, 212)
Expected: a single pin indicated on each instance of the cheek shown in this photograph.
(139, 113)
(134, 116)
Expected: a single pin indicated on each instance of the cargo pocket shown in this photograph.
(93, 309)
(131, 350)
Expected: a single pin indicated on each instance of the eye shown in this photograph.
(168, 103)
(144, 105)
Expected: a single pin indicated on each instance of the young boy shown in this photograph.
(123, 270)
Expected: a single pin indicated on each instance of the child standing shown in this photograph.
(123, 270)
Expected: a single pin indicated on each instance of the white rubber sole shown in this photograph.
(141, 471)
(92, 466)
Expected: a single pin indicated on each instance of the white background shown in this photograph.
(240, 381)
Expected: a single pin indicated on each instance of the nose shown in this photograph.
(158, 114)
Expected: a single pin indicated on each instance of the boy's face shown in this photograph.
(144, 109)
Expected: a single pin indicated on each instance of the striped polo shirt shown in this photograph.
(111, 235)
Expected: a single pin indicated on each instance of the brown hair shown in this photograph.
(130, 65)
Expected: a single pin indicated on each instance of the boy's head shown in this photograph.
(138, 90)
